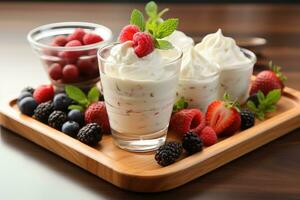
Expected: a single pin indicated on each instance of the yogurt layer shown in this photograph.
(195, 66)
(180, 40)
(222, 50)
(125, 64)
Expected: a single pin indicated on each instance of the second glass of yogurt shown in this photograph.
(139, 94)
(236, 64)
(199, 80)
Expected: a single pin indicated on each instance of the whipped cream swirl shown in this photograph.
(195, 66)
(222, 50)
(125, 64)
(180, 40)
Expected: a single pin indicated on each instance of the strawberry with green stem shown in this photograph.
(95, 110)
(268, 80)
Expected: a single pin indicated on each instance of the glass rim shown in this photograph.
(252, 58)
(115, 43)
(41, 28)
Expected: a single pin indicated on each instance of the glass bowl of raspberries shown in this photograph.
(68, 51)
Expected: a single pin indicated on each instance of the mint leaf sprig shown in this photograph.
(180, 104)
(266, 104)
(79, 96)
(156, 27)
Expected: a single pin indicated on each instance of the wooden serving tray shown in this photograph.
(139, 171)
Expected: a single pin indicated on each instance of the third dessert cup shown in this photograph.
(139, 94)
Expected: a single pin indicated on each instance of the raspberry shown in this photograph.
(71, 54)
(60, 40)
(208, 136)
(43, 93)
(187, 120)
(96, 112)
(127, 33)
(191, 142)
(168, 153)
(70, 73)
(87, 67)
(55, 71)
(77, 35)
(91, 38)
(143, 44)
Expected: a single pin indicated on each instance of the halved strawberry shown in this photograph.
(223, 117)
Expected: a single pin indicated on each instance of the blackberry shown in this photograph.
(254, 99)
(27, 106)
(42, 111)
(247, 119)
(90, 134)
(192, 143)
(61, 102)
(56, 119)
(28, 89)
(168, 153)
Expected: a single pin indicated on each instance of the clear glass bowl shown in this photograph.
(83, 57)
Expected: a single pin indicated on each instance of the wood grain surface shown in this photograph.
(271, 172)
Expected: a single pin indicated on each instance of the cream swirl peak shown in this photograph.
(125, 64)
(195, 66)
(181, 40)
(222, 50)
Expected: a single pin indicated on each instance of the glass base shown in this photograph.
(140, 143)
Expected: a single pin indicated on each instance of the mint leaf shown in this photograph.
(151, 9)
(76, 94)
(273, 96)
(161, 13)
(93, 94)
(163, 44)
(137, 18)
(166, 28)
(260, 96)
(180, 104)
(76, 107)
(251, 106)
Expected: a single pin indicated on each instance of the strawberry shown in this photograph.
(143, 44)
(223, 117)
(96, 113)
(127, 32)
(187, 120)
(208, 136)
(43, 93)
(268, 80)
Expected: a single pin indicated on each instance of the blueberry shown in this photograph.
(77, 116)
(70, 128)
(28, 89)
(27, 106)
(23, 95)
(61, 102)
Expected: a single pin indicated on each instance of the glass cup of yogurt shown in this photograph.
(139, 94)
(199, 80)
(236, 64)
